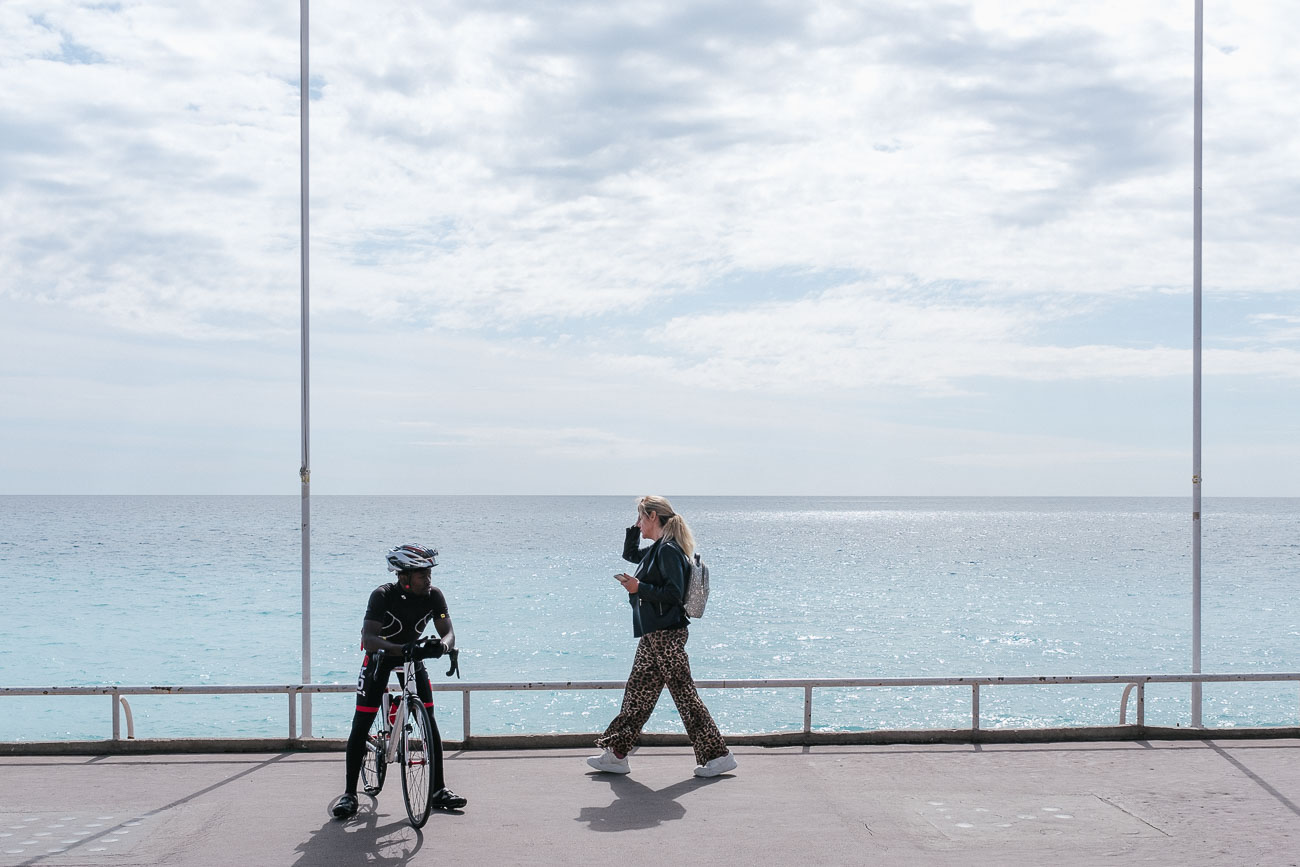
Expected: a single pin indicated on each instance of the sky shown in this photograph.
(708, 247)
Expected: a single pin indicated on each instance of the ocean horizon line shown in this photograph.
(633, 496)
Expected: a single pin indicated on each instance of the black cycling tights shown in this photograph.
(361, 721)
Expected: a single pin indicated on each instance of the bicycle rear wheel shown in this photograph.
(374, 765)
(417, 746)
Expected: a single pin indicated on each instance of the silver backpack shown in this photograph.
(697, 587)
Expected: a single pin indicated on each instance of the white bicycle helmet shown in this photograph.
(405, 557)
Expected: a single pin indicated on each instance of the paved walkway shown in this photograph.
(1168, 803)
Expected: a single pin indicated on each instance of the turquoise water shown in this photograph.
(187, 590)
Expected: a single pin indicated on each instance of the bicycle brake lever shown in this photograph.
(454, 668)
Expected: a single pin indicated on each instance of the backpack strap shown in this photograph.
(686, 576)
(678, 549)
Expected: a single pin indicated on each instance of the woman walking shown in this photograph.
(659, 620)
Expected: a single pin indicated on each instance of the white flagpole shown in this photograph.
(1196, 375)
(304, 473)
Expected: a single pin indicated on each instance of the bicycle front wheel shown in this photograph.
(417, 757)
(374, 764)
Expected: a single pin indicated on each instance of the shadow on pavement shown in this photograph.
(637, 805)
(82, 843)
(1257, 779)
(361, 840)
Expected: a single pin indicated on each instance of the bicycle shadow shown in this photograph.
(637, 806)
(361, 840)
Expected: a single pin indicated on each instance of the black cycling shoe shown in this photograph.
(346, 807)
(446, 799)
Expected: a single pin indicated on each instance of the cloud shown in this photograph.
(764, 206)
(1277, 327)
(569, 442)
(152, 182)
(495, 164)
(1039, 456)
(862, 337)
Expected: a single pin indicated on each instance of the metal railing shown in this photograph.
(1131, 682)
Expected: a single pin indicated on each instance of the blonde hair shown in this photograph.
(675, 529)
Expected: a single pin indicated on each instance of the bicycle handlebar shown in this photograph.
(412, 652)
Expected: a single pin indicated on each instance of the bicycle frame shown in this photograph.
(394, 719)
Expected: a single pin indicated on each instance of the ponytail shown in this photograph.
(675, 529)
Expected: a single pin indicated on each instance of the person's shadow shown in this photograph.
(361, 840)
(637, 805)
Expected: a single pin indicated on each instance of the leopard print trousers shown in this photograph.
(661, 660)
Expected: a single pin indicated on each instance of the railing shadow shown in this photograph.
(1256, 779)
(80, 844)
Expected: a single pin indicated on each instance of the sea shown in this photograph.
(190, 590)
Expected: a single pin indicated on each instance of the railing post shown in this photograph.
(117, 716)
(293, 714)
(464, 714)
(974, 707)
(807, 709)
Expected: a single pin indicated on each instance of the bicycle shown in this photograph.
(403, 732)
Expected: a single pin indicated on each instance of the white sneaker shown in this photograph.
(713, 767)
(612, 764)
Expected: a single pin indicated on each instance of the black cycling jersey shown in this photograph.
(402, 615)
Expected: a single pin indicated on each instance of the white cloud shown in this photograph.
(1277, 328)
(759, 203)
(569, 442)
(1084, 454)
(152, 172)
(492, 163)
(859, 337)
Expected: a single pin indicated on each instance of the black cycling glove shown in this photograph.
(425, 648)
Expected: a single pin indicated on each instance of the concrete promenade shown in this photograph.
(1155, 802)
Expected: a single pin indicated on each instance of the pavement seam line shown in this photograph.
(1132, 814)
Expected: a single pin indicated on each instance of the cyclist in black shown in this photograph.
(395, 617)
